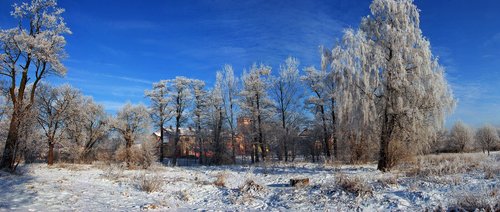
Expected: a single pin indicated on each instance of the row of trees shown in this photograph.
(463, 138)
(378, 92)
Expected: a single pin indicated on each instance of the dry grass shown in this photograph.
(149, 182)
(450, 164)
(487, 199)
(388, 180)
(353, 184)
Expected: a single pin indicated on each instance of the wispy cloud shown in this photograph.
(129, 79)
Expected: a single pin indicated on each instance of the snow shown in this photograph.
(101, 187)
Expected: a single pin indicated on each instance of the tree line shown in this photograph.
(377, 93)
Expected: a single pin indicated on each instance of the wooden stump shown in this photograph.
(299, 182)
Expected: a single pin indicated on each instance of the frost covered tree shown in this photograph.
(314, 79)
(86, 126)
(230, 91)
(53, 105)
(131, 123)
(487, 137)
(179, 90)
(461, 136)
(287, 95)
(159, 109)
(30, 51)
(257, 105)
(199, 116)
(394, 79)
(216, 118)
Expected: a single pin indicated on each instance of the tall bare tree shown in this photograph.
(179, 90)
(315, 81)
(286, 91)
(257, 104)
(230, 94)
(31, 50)
(159, 109)
(200, 99)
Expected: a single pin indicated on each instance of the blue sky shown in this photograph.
(118, 48)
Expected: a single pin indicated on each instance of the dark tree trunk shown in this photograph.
(50, 158)
(162, 137)
(384, 154)
(8, 157)
(325, 132)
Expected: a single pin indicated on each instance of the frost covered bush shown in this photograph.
(355, 185)
(149, 182)
(251, 188)
(221, 179)
(113, 172)
(142, 156)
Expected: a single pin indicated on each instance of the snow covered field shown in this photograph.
(441, 181)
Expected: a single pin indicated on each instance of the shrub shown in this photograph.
(355, 185)
(113, 172)
(251, 188)
(149, 182)
(142, 156)
(221, 179)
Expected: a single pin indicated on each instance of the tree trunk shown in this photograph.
(233, 144)
(325, 133)
(50, 158)
(161, 142)
(384, 154)
(8, 157)
(176, 140)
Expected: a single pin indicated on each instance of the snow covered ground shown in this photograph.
(440, 182)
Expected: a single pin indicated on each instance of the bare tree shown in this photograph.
(315, 81)
(179, 90)
(31, 50)
(132, 123)
(52, 105)
(487, 137)
(230, 94)
(159, 109)
(287, 94)
(461, 136)
(216, 117)
(257, 104)
(86, 125)
(200, 97)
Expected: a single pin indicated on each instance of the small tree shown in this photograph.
(53, 105)
(487, 137)
(461, 136)
(86, 126)
(131, 122)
